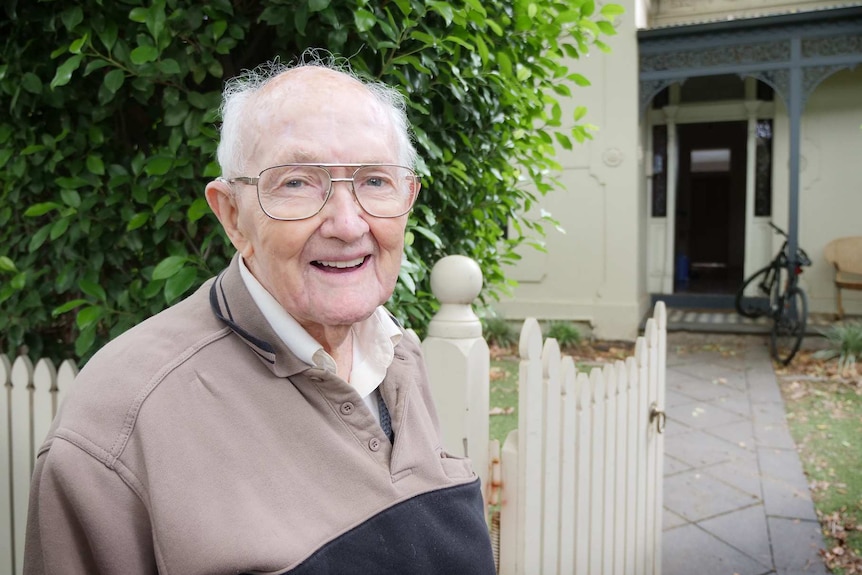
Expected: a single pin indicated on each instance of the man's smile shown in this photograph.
(338, 266)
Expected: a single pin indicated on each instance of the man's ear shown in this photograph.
(223, 203)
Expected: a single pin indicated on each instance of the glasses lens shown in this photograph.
(299, 191)
(385, 191)
(293, 192)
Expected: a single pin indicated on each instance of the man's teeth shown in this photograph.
(342, 265)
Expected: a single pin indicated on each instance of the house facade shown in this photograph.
(716, 118)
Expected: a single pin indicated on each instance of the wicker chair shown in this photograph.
(846, 255)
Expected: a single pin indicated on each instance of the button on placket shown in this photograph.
(374, 444)
(347, 408)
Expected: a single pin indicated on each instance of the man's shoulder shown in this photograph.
(114, 383)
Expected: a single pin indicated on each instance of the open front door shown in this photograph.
(710, 207)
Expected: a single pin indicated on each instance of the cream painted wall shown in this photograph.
(593, 272)
(831, 183)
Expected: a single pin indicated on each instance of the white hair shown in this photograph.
(240, 91)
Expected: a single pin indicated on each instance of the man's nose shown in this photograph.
(343, 216)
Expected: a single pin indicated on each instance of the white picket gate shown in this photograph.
(28, 401)
(577, 488)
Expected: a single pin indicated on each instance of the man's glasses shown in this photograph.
(299, 191)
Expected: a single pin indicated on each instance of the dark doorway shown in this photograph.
(710, 207)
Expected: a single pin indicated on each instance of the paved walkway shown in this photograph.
(736, 500)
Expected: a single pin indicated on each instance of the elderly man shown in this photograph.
(279, 420)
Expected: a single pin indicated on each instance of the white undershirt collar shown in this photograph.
(374, 339)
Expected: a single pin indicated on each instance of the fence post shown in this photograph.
(551, 411)
(6, 563)
(458, 362)
(23, 452)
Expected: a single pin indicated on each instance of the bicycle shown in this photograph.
(787, 304)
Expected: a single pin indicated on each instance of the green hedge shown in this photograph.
(108, 131)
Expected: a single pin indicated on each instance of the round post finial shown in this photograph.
(456, 282)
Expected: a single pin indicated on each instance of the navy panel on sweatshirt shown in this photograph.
(436, 533)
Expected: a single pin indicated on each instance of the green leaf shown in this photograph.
(580, 80)
(144, 54)
(32, 83)
(88, 316)
(92, 289)
(41, 209)
(444, 9)
(32, 149)
(137, 221)
(7, 265)
(158, 165)
(39, 238)
(364, 20)
(404, 6)
(64, 72)
(75, 47)
(318, 5)
(580, 112)
(169, 266)
(612, 10)
(59, 228)
(85, 341)
(477, 6)
(114, 80)
(19, 281)
(71, 198)
(108, 35)
(180, 283)
(138, 15)
(606, 27)
(71, 17)
(68, 306)
(169, 66)
(94, 65)
(197, 210)
(176, 115)
(95, 165)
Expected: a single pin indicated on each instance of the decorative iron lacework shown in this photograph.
(812, 76)
(649, 89)
(778, 79)
(659, 170)
(763, 169)
(832, 45)
(833, 33)
(717, 56)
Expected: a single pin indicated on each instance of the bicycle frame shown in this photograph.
(787, 306)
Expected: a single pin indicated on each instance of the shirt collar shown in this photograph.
(374, 339)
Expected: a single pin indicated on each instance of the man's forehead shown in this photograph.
(293, 118)
(310, 80)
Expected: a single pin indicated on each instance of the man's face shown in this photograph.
(334, 268)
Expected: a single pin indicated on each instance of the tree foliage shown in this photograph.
(108, 131)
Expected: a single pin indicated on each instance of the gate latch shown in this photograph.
(657, 414)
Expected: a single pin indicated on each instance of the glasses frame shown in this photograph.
(253, 181)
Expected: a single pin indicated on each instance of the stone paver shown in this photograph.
(736, 499)
(692, 551)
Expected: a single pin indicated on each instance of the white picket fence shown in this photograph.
(29, 397)
(576, 489)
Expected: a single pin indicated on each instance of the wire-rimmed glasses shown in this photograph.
(299, 191)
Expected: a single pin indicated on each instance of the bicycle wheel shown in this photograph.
(746, 305)
(788, 325)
